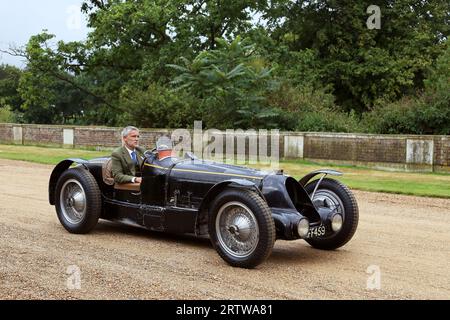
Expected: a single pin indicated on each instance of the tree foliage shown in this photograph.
(230, 82)
(304, 65)
(10, 99)
(51, 92)
(426, 113)
(157, 107)
(364, 65)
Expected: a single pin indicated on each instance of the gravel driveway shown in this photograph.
(401, 250)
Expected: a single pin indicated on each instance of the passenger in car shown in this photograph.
(165, 151)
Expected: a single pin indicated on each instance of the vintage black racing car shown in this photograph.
(242, 210)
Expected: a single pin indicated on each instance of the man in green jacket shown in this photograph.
(127, 160)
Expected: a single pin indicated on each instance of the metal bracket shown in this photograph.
(317, 186)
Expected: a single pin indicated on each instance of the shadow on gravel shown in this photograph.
(284, 252)
(107, 227)
(298, 251)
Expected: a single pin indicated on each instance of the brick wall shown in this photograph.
(358, 148)
(442, 151)
(51, 135)
(6, 133)
(110, 137)
(148, 137)
(96, 137)
(409, 152)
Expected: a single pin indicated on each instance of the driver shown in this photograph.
(127, 160)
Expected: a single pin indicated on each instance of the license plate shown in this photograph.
(316, 231)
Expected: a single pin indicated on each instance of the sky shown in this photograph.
(20, 19)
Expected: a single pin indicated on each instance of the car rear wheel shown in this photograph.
(78, 200)
(241, 228)
(337, 198)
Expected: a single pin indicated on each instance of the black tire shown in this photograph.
(71, 183)
(259, 216)
(350, 213)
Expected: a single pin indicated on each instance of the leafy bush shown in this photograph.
(392, 117)
(428, 113)
(326, 120)
(6, 115)
(158, 107)
(311, 109)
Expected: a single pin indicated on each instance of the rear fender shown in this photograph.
(58, 171)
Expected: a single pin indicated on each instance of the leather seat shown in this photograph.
(107, 172)
(109, 180)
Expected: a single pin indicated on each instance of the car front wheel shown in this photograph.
(241, 228)
(334, 196)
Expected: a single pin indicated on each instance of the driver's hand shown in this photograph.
(138, 180)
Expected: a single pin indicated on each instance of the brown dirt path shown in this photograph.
(407, 238)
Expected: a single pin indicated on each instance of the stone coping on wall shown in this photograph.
(282, 133)
(361, 135)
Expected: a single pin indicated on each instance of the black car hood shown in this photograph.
(208, 170)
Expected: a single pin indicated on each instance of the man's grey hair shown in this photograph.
(126, 131)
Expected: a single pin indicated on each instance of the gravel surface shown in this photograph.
(406, 239)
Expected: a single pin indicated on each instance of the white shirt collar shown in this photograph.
(130, 151)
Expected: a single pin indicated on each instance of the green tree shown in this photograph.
(158, 107)
(311, 60)
(130, 44)
(311, 109)
(231, 83)
(50, 94)
(364, 65)
(428, 112)
(10, 100)
(134, 40)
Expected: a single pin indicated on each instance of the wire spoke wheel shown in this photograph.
(73, 201)
(237, 229)
(328, 199)
(335, 197)
(241, 227)
(78, 200)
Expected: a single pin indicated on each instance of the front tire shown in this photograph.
(78, 200)
(241, 228)
(337, 196)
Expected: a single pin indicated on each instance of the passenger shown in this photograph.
(165, 150)
(127, 160)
